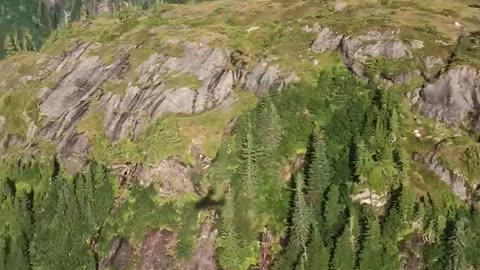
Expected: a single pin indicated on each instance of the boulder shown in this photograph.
(453, 97)
(357, 50)
(327, 40)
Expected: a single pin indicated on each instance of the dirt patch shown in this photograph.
(157, 251)
(204, 252)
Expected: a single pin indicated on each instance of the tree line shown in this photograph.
(48, 218)
(354, 139)
(26, 24)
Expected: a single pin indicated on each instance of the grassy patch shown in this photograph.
(445, 141)
(144, 210)
(18, 107)
(177, 134)
(93, 122)
(115, 87)
(424, 181)
(183, 80)
(467, 51)
(389, 68)
(173, 134)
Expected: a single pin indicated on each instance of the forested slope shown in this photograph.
(253, 135)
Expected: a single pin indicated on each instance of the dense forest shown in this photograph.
(26, 24)
(354, 139)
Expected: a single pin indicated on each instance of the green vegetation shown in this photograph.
(347, 136)
(48, 218)
(172, 134)
(337, 121)
(467, 50)
(291, 165)
(115, 87)
(18, 107)
(183, 80)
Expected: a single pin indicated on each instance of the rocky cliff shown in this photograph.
(107, 83)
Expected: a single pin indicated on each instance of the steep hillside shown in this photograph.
(238, 134)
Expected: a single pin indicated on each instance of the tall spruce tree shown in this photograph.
(318, 173)
(270, 129)
(318, 255)
(343, 255)
(249, 166)
(455, 245)
(370, 246)
(332, 210)
(301, 220)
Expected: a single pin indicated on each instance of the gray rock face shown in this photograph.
(404, 78)
(356, 50)
(78, 77)
(432, 66)
(264, 78)
(453, 97)
(457, 182)
(327, 40)
(72, 152)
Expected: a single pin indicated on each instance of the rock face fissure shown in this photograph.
(456, 181)
(80, 79)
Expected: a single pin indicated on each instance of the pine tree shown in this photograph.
(332, 209)
(343, 256)
(301, 218)
(370, 246)
(318, 173)
(20, 234)
(249, 167)
(319, 255)
(390, 255)
(270, 129)
(16, 258)
(455, 245)
(232, 251)
(363, 161)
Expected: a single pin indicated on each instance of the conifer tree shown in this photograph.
(249, 168)
(455, 245)
(390, 255)
(16, 258)
(332, 208)
(318, 173)
(318, 255)
(343, 256)
(232, 251)
(301, 218)
(270, 129)
(370, 246)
